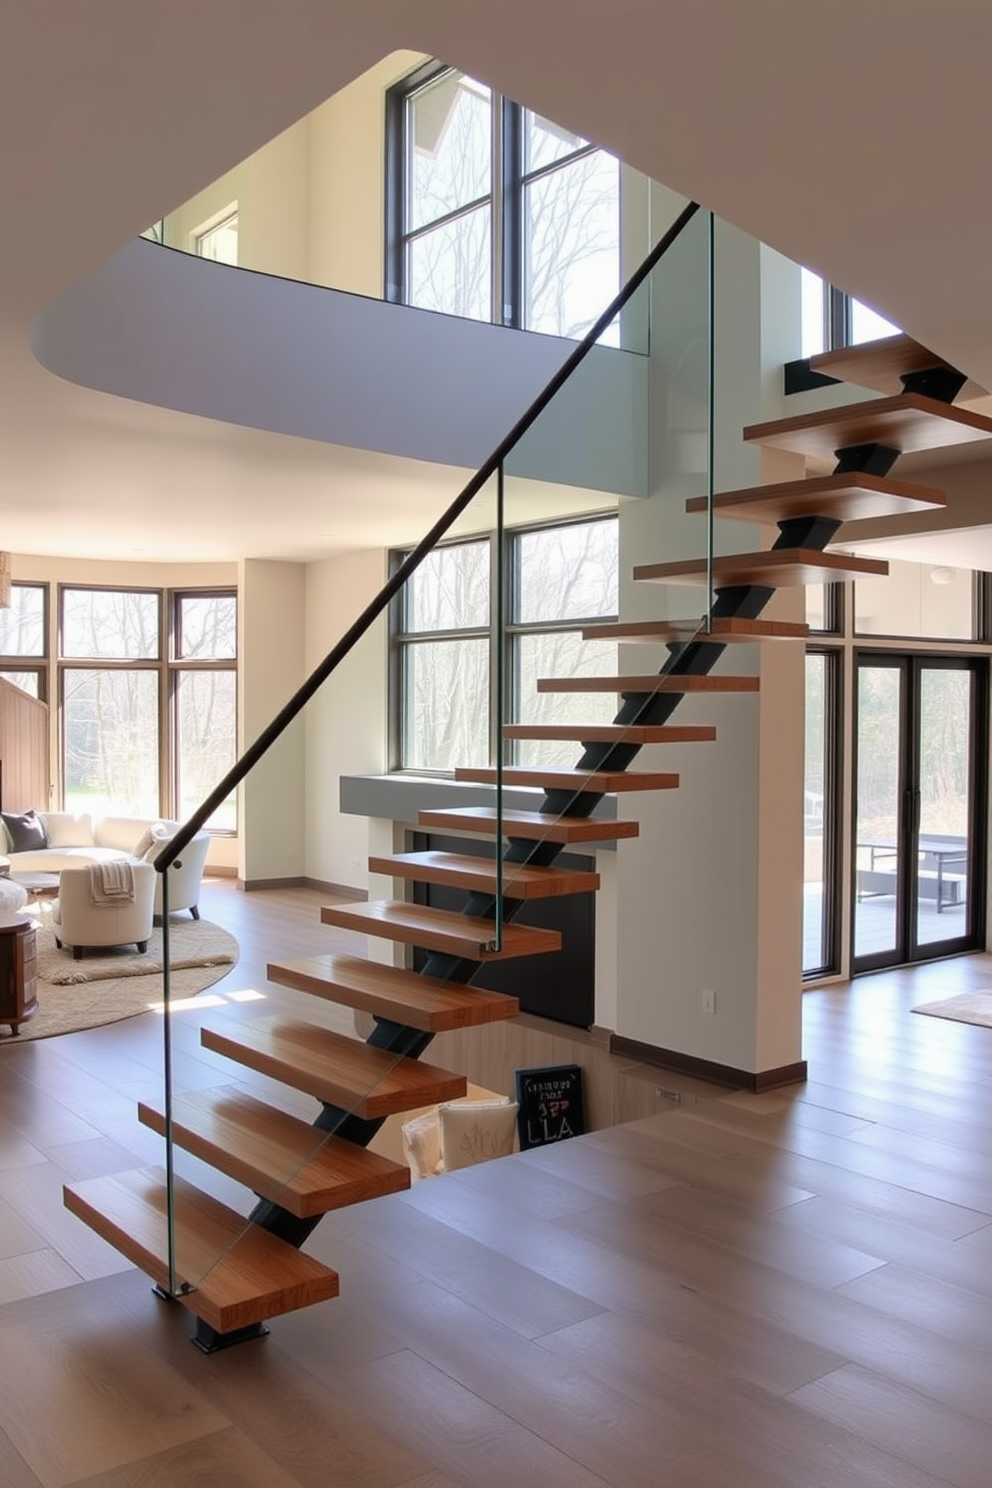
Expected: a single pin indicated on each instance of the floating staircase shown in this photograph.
(300, 1172)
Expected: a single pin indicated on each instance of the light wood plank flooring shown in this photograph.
(791, 1290)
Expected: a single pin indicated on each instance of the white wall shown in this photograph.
(310, 203)
(709, 897)
(272, 800)
(346, 720)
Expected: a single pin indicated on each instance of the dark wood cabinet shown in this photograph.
(18, 990)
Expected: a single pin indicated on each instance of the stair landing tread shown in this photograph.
(460, 870)
(879, 364)
(338, 1070)
(773, 567)
(557, 777)
(848, 498)
(305, 1170)
(909, 422)
(680, 682)
(538, 825)
(390, 992)
(614, 733)
(723, 629)
(241, 1273)
(471, 936)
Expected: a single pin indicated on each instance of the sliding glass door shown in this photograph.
(920, 782)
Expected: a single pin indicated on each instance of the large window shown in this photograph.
(448, 633)
(146, 688)
(494, 212)
(24, 639)
(148, 699)
(831, 318)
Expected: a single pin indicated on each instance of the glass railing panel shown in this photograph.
(623, 406)
(456, 713)
(319, 206)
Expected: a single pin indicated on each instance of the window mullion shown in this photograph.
(511, 207)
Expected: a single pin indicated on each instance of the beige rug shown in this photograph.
(118, 983)
(967, 1007)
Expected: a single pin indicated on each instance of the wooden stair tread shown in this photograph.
(529, 824)
(440, 930)
(773, 567)
(337, 1070)
(555, 777)
(654, 682)
(241, 1273)
(728, 628)
(458, 870)
(299, 1167)
(390, 992)
(879, 364)
(848, 497)
(909, 423)
(614, 733)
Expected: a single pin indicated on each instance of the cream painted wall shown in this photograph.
(348, 154)
(310, 203)
(272, 804)
(30, 568)
(346, 721)
(709, 896)
(271, 191)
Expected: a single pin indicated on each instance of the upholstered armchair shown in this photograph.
(185, 875)
(79, 922)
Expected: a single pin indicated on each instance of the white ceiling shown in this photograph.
(853, 136)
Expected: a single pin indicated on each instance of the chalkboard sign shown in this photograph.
(550, 1102)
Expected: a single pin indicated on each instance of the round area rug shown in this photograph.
(119, 982)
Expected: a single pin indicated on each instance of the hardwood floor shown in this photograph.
(790, 1290)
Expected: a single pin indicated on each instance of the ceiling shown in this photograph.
(853, 137)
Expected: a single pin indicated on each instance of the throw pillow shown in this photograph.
(26, 832)
(474, 1131)
(422, 1145)
(150, 841)
(63, 829)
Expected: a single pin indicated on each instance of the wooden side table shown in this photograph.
(18, 988)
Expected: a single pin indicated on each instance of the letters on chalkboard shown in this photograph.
(550, 1102)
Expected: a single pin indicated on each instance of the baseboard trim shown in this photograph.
(250, 885)
(708, 1069)
(219, 871)
(340, 891)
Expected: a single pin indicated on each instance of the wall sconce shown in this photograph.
(941, 576)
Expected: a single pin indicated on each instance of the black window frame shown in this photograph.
(505, 630)
(509, 183)
(35, 665)
(833, 782)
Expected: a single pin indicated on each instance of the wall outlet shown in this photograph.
(709, 1000)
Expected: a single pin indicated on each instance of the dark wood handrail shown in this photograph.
(394, 584)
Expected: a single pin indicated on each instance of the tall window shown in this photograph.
(148, 697)
(203, 685)
(831, 318)
(218, 239)
(24, 639)
(447, 633)
(494, 212)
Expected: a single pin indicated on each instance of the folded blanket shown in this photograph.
(111, 883)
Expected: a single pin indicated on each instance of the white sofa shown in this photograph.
(72, 840)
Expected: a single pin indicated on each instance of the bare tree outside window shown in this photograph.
(205, 702)
(22, 624)
(563, 576)
(111, 750)
(545, 226)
